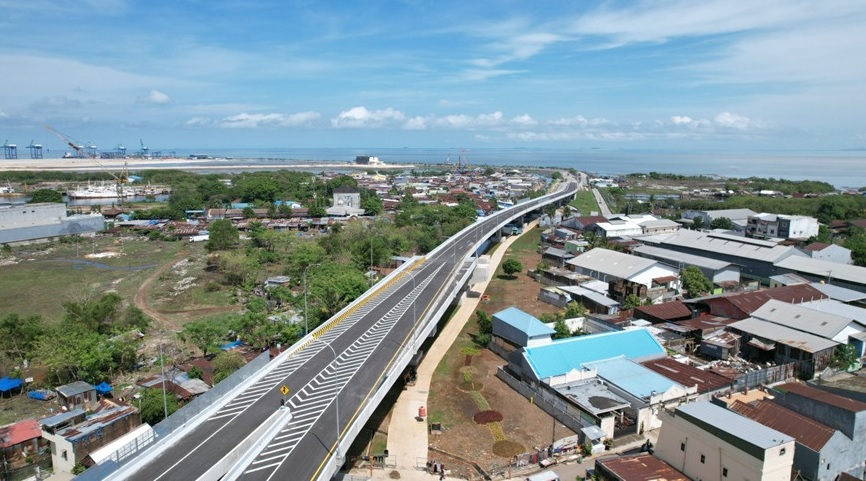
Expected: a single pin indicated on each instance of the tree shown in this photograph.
(845, 357)
(722, 223)
(225, 363)
(697, 223)
(511, 267)
(630, 302)
(45, 195)
(223, 235)
(99, 315)
(152, 404)
(205, 334)
(561, 330)
(695, 282)
(857, 243)
(484, 321)
(18, 335)
(575, 309)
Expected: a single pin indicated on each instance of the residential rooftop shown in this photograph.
(740, 431)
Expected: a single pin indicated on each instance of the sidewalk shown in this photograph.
(407, 436)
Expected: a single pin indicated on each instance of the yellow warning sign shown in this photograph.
(284, 390)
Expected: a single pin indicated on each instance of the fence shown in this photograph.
(39, 470)
(761, 377)
(548, 401)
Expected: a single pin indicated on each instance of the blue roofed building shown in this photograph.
(513, 328)
(647, 391)
(563, 360)
(597, 381)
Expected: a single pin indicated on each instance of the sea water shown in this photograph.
(842, 169)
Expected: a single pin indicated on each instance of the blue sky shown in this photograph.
(714, 74)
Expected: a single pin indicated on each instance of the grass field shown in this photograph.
(39, 279)
(585, 202)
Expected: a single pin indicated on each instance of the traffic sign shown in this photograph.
(284, 390)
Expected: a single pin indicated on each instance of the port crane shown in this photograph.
(120, 179)
(35, 150)
(77, 147)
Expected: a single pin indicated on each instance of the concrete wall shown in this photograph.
(700, 455)
(29, 215)
(851, 424)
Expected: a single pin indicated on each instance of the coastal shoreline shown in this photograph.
(99, 165)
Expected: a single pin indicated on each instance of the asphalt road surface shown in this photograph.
(330, 379)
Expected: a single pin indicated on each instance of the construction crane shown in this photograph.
(76, 146)
(462, 160)
(120, 179)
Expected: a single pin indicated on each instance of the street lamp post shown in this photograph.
(337, 401)
(306, 326)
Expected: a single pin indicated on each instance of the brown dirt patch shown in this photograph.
(508, 449)
(524, 424)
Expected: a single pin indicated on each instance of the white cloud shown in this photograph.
(681, 120)
(199, 122)
(156, 97)
(251, 121)
(416, 123)
(525, 120)
(579, 121)
(358, 117)
(463, 121)
(727, 119)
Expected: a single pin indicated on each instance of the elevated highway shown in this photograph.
(336, 376)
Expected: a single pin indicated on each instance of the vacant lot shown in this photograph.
(39, 279)
(466, 378)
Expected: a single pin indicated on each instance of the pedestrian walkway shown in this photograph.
(407, 435)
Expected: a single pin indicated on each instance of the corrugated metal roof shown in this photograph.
(783, 335)
(562, 356)
(839, 293)
(523, 322)
(73, 388)
(749, 302)
(641, 467)
(734, 425)
(822, 396)
(19, 432)
(594, 296)
(687, 375)
(729, 245)
(679, 258)
(632, 377)
(666, 310)
(821, 268)
(797, 317)
(806, 431)
(858, 314)
(612, 263)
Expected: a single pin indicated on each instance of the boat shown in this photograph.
(100, 191)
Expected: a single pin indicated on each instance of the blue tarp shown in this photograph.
(8, 384)
(231, 345)
(37, 395)
(103, 387)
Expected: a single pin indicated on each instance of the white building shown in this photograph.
(31, 222)
(710, 443)
(782, 226)
(625, 272)
(368, 160)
